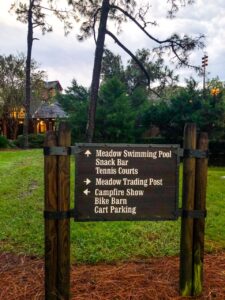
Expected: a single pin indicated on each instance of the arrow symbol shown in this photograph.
(87, 153)
(87, 181)
(86, 192)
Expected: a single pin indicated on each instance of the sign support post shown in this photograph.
(57, 217)
(50, 166)
(186, 243)
(63, 184)
(199, 224)
(193, 212)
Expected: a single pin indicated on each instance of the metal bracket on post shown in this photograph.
(193, 153)
(193, 214)
(57, 151)
(58, 215)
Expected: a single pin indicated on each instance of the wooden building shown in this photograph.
(45, 117)
(44, 111)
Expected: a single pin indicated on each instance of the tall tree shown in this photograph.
(75, 103)
(96, 13)
(112, 66)
(12, 83)
(33, 13)
(115, 119)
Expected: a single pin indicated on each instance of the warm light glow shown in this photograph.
(17, 114)
(41, 127)
(215, 91)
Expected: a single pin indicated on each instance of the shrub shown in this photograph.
(4, 143)
(217, 153)
(34, 140)
(159, 140)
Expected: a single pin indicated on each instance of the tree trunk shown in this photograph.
(97, 70)
(28, 77)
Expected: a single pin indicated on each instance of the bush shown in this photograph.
(217, 153)
(159, 140)
(217, 147)
(34, 140)
(4, 143)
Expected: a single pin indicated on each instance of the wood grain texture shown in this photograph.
(199, 224)
(50, 175)
(186, 245)
(63, 269)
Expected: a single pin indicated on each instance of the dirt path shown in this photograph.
(21, 278)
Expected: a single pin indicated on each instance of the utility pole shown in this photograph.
(204, 64)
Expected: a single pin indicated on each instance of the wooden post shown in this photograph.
(186, 245)
(199, 224)
(50, 166)
(63, 279)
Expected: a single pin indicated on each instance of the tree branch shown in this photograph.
(171, 42)
(139, 25)
(182, 61)
(130, 53)
(54, 10)
(134, 58)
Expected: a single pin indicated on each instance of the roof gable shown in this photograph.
(49, 111)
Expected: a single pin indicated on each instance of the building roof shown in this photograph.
(49, 111)
(53, 85)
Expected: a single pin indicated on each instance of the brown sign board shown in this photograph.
(116, 182)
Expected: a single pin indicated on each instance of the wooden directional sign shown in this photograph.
(126, 182)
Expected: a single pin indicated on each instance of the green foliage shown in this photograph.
(75, 104)
(124, 115)
(155, 67)
(12, 87)
(132, 75)
(119, 115)
(138, 97)
(189, 105)
(34, 140)
(114, 118)
(217, 153)
(112, 66)
(4, 143)
(217, 146)
(12, 82)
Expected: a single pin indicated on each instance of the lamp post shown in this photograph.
(204, 64)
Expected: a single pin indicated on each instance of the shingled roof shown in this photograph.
(49, 111)
(53, 85)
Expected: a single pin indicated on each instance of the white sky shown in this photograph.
(64, 58)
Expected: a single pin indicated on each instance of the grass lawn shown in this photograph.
(21, 218)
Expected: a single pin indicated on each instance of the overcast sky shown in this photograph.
(64, 58)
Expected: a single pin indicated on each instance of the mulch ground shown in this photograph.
(22, 278)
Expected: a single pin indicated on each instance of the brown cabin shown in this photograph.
(44, 114)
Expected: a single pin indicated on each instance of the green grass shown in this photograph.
(21, 218)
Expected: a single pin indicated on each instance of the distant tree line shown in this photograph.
(127, 109)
